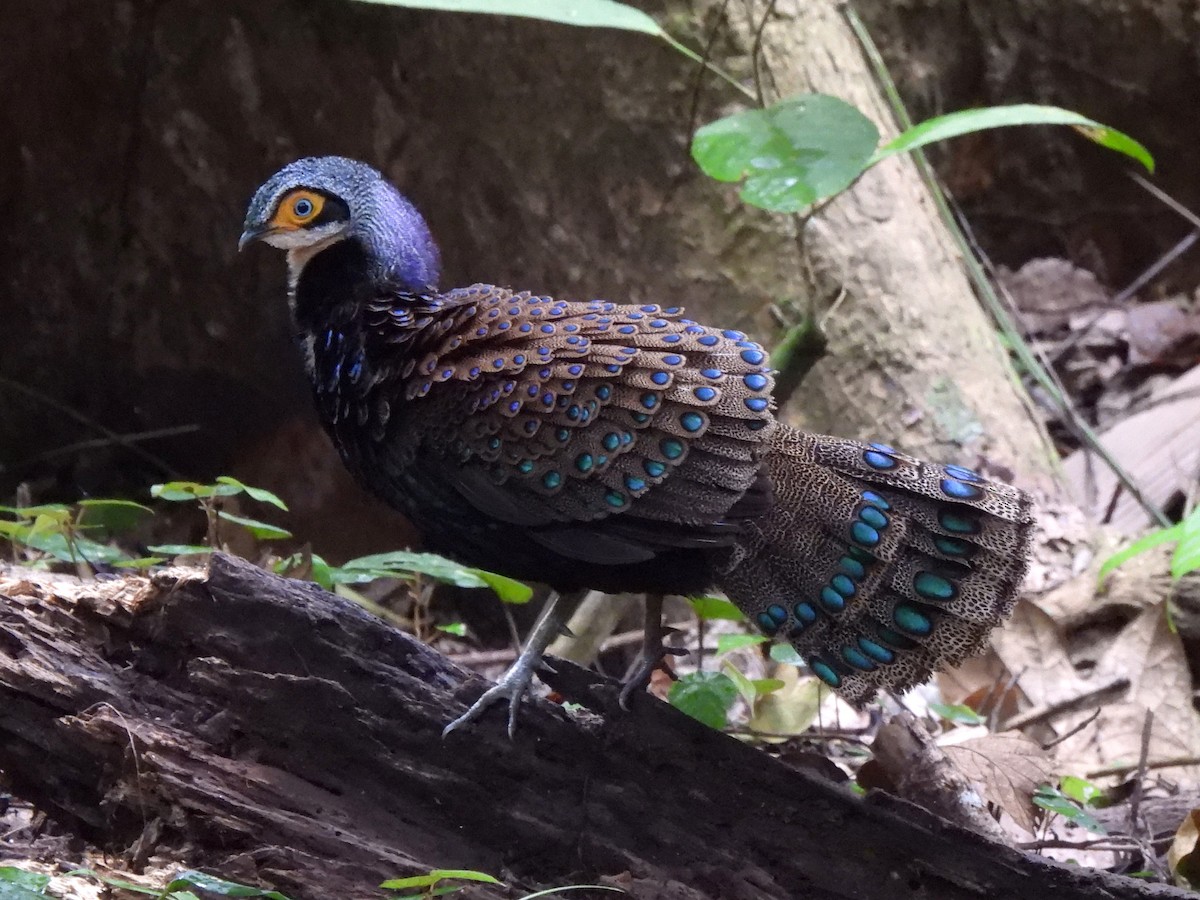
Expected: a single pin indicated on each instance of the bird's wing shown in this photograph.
(549, 412)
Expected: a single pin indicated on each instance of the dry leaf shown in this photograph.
(1153, 659)
(1158, 446)
(1007, 767)
(1163, 333)
(984, 674)
(1048, 291)
(1182, 856)
(790, 710)
(1031, 646)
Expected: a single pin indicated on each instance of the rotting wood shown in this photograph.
(271, 732)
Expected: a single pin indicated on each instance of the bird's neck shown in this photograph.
(328, 283)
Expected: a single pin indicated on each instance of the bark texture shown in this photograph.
(275, 733)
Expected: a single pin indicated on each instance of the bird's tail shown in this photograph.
(877, 567)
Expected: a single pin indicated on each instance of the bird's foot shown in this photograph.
(512, 686)
(649, 659)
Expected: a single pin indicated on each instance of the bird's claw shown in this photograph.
(648, 663)
(513, 687)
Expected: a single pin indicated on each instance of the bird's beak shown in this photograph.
(250, 235)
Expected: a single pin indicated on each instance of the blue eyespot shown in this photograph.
(302, 208)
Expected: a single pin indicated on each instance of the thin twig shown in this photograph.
(96, 443)
(1166, 198)
(756, 52)
(1112, 843)
(1173, 762)
(698, 83)
(1048, 711)
(1074, 731)
(1149, 274)
(1135, 799)
(75, 414)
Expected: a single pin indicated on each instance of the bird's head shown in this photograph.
(318, 201)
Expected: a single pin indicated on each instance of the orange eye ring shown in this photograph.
(297, 210)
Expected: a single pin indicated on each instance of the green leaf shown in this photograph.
(1052, 799)
(116, 882)
(786, 653)
(1186, 557)
(745, 687)
(141, 562)
(585, 13)
(436, 875)
(458, 629)
(764, 686)
(191, 878)
(402, 563)
(32, 512)
(1153, 539)
(56, 544)
(1080, 790)
(32, 884)
(114, 504)
(19, 892)
(507, 589)
(179, 549)
(958, 713)
(264, 531)
(15, 531)
(320, 571)
(705, 696)
(182, 491)
(791, 154)
(708, 608)
(967, 121)
(727, 642)
(260, 494)
(51, 522)
(111, 516)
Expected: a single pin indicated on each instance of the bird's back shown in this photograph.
(584, 444)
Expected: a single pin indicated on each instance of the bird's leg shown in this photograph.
(514, 683)
(653, 651)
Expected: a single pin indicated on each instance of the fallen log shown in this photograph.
(270, 732)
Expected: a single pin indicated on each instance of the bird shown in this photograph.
(625, 448)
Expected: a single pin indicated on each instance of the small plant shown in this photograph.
(404, 565)
(433, 884)
(180, 887)
(209, 498)
(958, 713)
(709, 696)
(19, 884)
(1184, 534)
(60, 532)
(1070, 799)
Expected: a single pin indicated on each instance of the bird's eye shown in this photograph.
(298, 209)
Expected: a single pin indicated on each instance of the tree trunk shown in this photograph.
(272, 732)
(913, 359)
